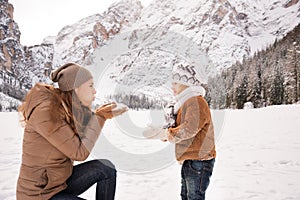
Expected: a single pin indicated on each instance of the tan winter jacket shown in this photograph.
(194, 132)
(50, 145)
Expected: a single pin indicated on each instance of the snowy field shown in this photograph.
(258, 157)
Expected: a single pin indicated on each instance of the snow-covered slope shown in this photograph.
(267, 20)
(213, 25)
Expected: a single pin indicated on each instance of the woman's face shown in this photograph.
(178, 88)
(86, 93)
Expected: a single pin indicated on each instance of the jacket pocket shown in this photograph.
(42, 181)
(58, 175)
(36, 177)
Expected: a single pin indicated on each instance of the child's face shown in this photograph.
(178, 88)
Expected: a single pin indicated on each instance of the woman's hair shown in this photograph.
(66, 97)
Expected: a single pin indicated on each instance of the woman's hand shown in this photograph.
(110, 110)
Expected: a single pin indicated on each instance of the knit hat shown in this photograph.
(70, 76)
(186, 74)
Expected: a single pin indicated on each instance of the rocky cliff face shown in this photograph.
(10, 47)
(77, 42)
(20, 67)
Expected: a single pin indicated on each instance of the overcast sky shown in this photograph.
(38, 19)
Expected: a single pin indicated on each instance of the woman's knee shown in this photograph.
(106, 167)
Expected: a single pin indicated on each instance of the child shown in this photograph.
(192, 133)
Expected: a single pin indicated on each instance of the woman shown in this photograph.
(192, 132)
(61, 128)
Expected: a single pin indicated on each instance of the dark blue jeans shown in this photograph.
(195, 175)
(84, 175)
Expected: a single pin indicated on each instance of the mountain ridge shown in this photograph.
(227, 31)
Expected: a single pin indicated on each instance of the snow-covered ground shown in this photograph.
(258, 157)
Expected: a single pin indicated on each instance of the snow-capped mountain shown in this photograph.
(129, 45)
(78, 41)
(227, 31)
(21, 66)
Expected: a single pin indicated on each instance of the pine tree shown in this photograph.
(277, 88)
(241, 92)
(257, 90)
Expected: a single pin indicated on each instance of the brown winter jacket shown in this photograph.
(194, 132)
(50, 145)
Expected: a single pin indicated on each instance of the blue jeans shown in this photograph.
(195, 175)
(84, 175)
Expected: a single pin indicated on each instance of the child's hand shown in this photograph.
(155, 133)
